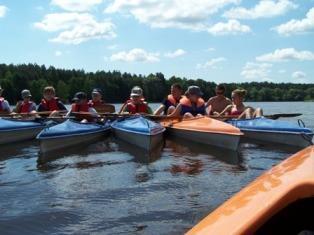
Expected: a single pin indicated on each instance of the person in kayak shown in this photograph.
(238, 109)
(219, 102)
(170, 103)
(4, 104)
(25, 106)
(98, 104)
(51, 103)
(191, 104)
(81, 109)
(136, 103)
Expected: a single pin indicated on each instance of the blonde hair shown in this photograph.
(49, 89)
(240, 92)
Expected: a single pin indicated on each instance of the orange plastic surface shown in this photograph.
(203, 124)
(245, 212)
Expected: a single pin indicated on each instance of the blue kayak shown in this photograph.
(275, 131)
(139, 131)
(18, 130)
(70, 133)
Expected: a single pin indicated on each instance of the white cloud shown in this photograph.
(76, 5)
(112, 47)
(58, 53)
(256, 71)
(211, 63)
(184, 14)
(298, 75)
(264, 9)
(297, 26)
(76, 27)
(3, 10)
(176, 53)
(286, 54)
(135, 55)
(231, 27)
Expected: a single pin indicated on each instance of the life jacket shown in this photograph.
(50, 105)
(235, 112)
(82, 108)
(137, 108)
(1, 103)
(25, 107)
(102, 107)
(187, 107)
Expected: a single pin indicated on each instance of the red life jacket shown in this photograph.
(1, 102)
(25, 107)
(50, 105)
(137, 108)
(173, 101)
(82, 108)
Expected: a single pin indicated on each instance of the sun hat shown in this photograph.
(194, 90)
(136, 91)
(26, 93)
(79, 96)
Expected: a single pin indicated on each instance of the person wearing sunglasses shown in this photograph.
(219, 102)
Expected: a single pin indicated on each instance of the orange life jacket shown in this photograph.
(50, 105)
(187, 106)
(137, 108)
(25, 107)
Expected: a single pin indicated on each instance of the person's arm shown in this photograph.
(209, 102)
(176, 112)
(17, 108)
(93, 112)
(6, 106)
(227, 109)
(159, 110)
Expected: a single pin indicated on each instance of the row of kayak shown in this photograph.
(147, 134)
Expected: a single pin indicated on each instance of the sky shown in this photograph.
(215, 40)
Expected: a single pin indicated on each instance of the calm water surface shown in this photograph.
(110, 187)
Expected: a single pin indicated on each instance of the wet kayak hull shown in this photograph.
(15, 131)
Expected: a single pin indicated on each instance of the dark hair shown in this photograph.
(221, 87)
(177, 86)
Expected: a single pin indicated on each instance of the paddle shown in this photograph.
(282, 115)
(31, 113)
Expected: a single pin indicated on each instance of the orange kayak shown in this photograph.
(281, 201)
(205, 130)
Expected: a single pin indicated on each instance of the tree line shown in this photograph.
(116, 86)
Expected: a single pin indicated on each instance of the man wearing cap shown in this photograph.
(219, 102)
(50, 102)
(81, 109)
(136, 103)
(4, 104)
(191, 105)
(98, 104)
(25, 106)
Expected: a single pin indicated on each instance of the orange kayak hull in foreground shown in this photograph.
(250, 210)
(205, 130)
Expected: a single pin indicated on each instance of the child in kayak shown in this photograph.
(170, 103)
(191, 104)
(219, 102)
(238, 109)
(98, 104)
(50, 102)
(81, 109)
(26, 106)
(4, 104)
(136, 103)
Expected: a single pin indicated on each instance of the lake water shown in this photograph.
(110, 187)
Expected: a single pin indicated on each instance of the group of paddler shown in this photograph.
(177, 104)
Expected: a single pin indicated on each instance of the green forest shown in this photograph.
(116, 86)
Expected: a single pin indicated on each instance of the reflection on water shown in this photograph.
(111, 187)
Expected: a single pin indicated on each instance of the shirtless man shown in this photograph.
(219, 102)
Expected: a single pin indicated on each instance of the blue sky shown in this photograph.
(215, 40)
